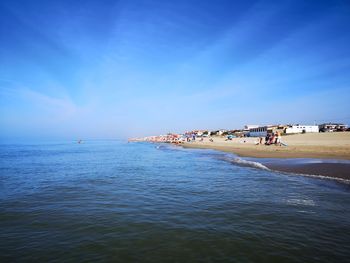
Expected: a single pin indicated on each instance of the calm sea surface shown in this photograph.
(138, 202)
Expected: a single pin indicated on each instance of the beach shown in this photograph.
(332, 145)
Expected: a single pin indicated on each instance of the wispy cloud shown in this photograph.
(117, 67)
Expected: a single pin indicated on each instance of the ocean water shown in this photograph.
(112, 201)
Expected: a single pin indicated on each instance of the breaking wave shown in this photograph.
(242, 162)
(317, 176)
(235, 160)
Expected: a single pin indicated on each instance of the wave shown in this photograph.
(165, 147)
(235, 160)
(303, 202)
(317, 176)
(246, 163)
(257, 165)
(216, 154)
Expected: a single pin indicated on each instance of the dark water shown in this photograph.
(113, 201)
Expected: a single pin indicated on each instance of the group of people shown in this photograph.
(272, 138)
(192, 137)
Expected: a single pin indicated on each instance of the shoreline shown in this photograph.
(271, 151)
(299, 147)
(328, 170)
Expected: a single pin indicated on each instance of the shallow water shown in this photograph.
(138, 202)
(321, 168)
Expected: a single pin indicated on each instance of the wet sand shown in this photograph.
(335, 170)
(325, 146)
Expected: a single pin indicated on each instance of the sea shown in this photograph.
(114, 201)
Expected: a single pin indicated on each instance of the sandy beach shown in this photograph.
(313, 145)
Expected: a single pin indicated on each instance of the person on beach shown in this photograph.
(272, 139)
(260, 140)
(278, 138)
(267, 138)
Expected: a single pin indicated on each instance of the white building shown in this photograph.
(301, 129)
(330, 127)
(220, 132)
(258, 131)
(248, 127)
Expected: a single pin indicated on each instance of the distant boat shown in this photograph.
(80, 141)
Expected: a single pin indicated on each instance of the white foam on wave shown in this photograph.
(258, 165)
(243, 162)
(318, 176)
(303, 202)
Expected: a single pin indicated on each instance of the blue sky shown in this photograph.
(115, 69)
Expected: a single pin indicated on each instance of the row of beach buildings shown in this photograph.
(248, 131)
(258, 131)
(263, 130)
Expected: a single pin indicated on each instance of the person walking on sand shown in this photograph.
(278, 139)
